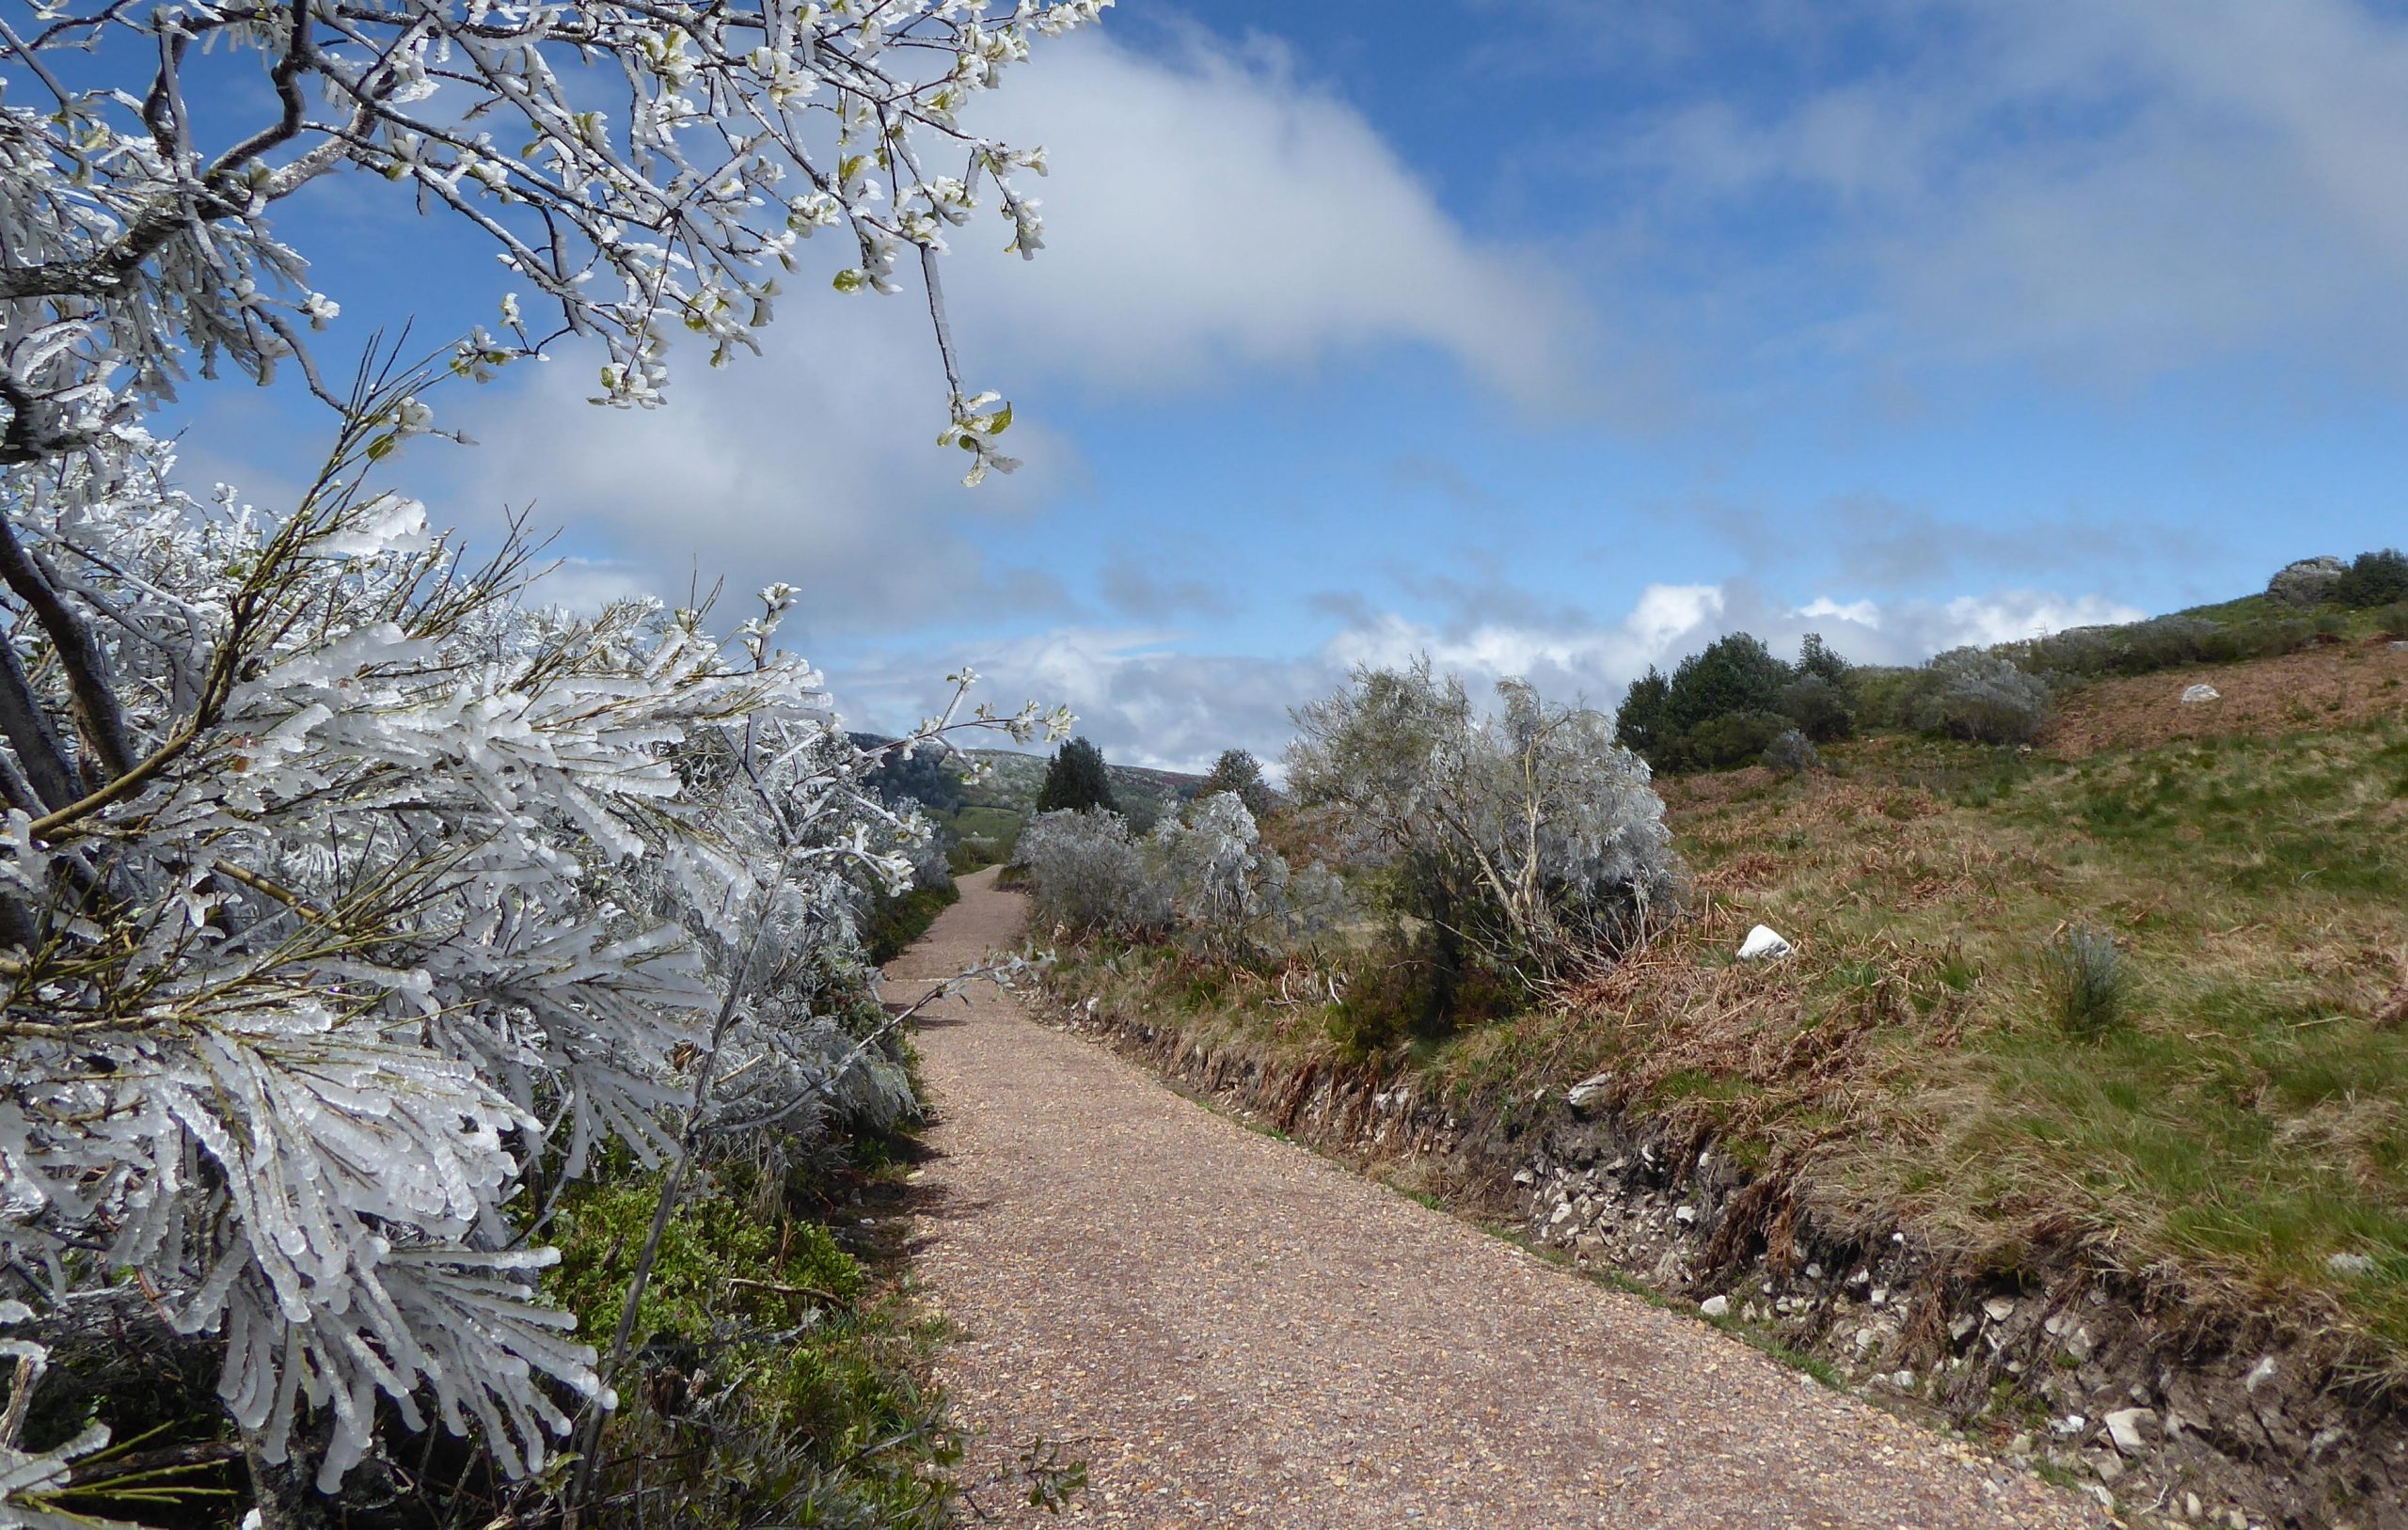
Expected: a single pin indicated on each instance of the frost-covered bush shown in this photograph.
(1235, 895)
(1204, 873)
(1793, 753)
(342, 891)
(1529, 833)
(1087, 874)
(1983, 697)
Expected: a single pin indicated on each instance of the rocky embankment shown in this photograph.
(2165, 1422)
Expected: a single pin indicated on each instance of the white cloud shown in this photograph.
(1215, 208)
(2114, 189)
(1209, 214)
(1146, 702)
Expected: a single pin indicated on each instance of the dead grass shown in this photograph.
(2245, 1122)
(2334, 684)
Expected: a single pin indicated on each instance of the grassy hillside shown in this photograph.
(2229, 1124)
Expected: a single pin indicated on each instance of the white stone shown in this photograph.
(1714, 1306)
(1587, 1089)
(2195, 695)
(2192, 1507)
(2259, 1375)
(1763, 944)
(2073, 1423)
(2124, 1427)
(1998, 1309)
(2350, 1264)
(1684, 1215)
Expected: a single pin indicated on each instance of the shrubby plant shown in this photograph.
(1984, 698)
(1088, 875)
(1527, 839)
(1793, 753)
(2086, 980)
(1204, 873)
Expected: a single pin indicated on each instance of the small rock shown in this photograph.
(1684, 1215)
(1958, 1328)
(1880, 1295)
(1998, 1309)
(2124, 1429)
(2259, 1375)
(2350, 1264)
(2196, 695)
(2098, 1490)
(2069, 1426)
(1524, 1176)
(1590, 1088)
(1903, 1381)
(2192, 1507)
(1714, 1306)
(2110, 1470)
(1763, 944)
(1814, 1271)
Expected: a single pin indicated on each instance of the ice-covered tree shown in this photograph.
(349, 896)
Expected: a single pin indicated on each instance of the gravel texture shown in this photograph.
(1233, 1332)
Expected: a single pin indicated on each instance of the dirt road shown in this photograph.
(1233, 1332)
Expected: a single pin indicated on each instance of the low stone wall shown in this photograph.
(2106, 1386)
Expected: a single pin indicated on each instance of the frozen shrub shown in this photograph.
(1984, 698)
(2085, 980)
(1090, 875)
(1529, 836)
(1223, 884)
(1793, 753)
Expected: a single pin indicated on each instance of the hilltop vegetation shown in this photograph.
(2129, 1000)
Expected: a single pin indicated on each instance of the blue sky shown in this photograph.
(1552, 338)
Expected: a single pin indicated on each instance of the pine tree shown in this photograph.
(1640, 724)
(1076, 782)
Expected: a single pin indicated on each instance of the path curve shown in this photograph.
(1233, 1332)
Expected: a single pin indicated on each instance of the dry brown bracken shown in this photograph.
(1232, 1331)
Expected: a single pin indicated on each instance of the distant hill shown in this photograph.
(988, 817)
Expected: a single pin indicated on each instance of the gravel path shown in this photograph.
(1233, 1332)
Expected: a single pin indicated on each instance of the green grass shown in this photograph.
(775, 1370)
(2243, 1121)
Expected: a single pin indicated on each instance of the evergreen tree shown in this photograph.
(1639, 723)
(1076, 780)
(1239, 772)
(1815, 659)
(1734, 675)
